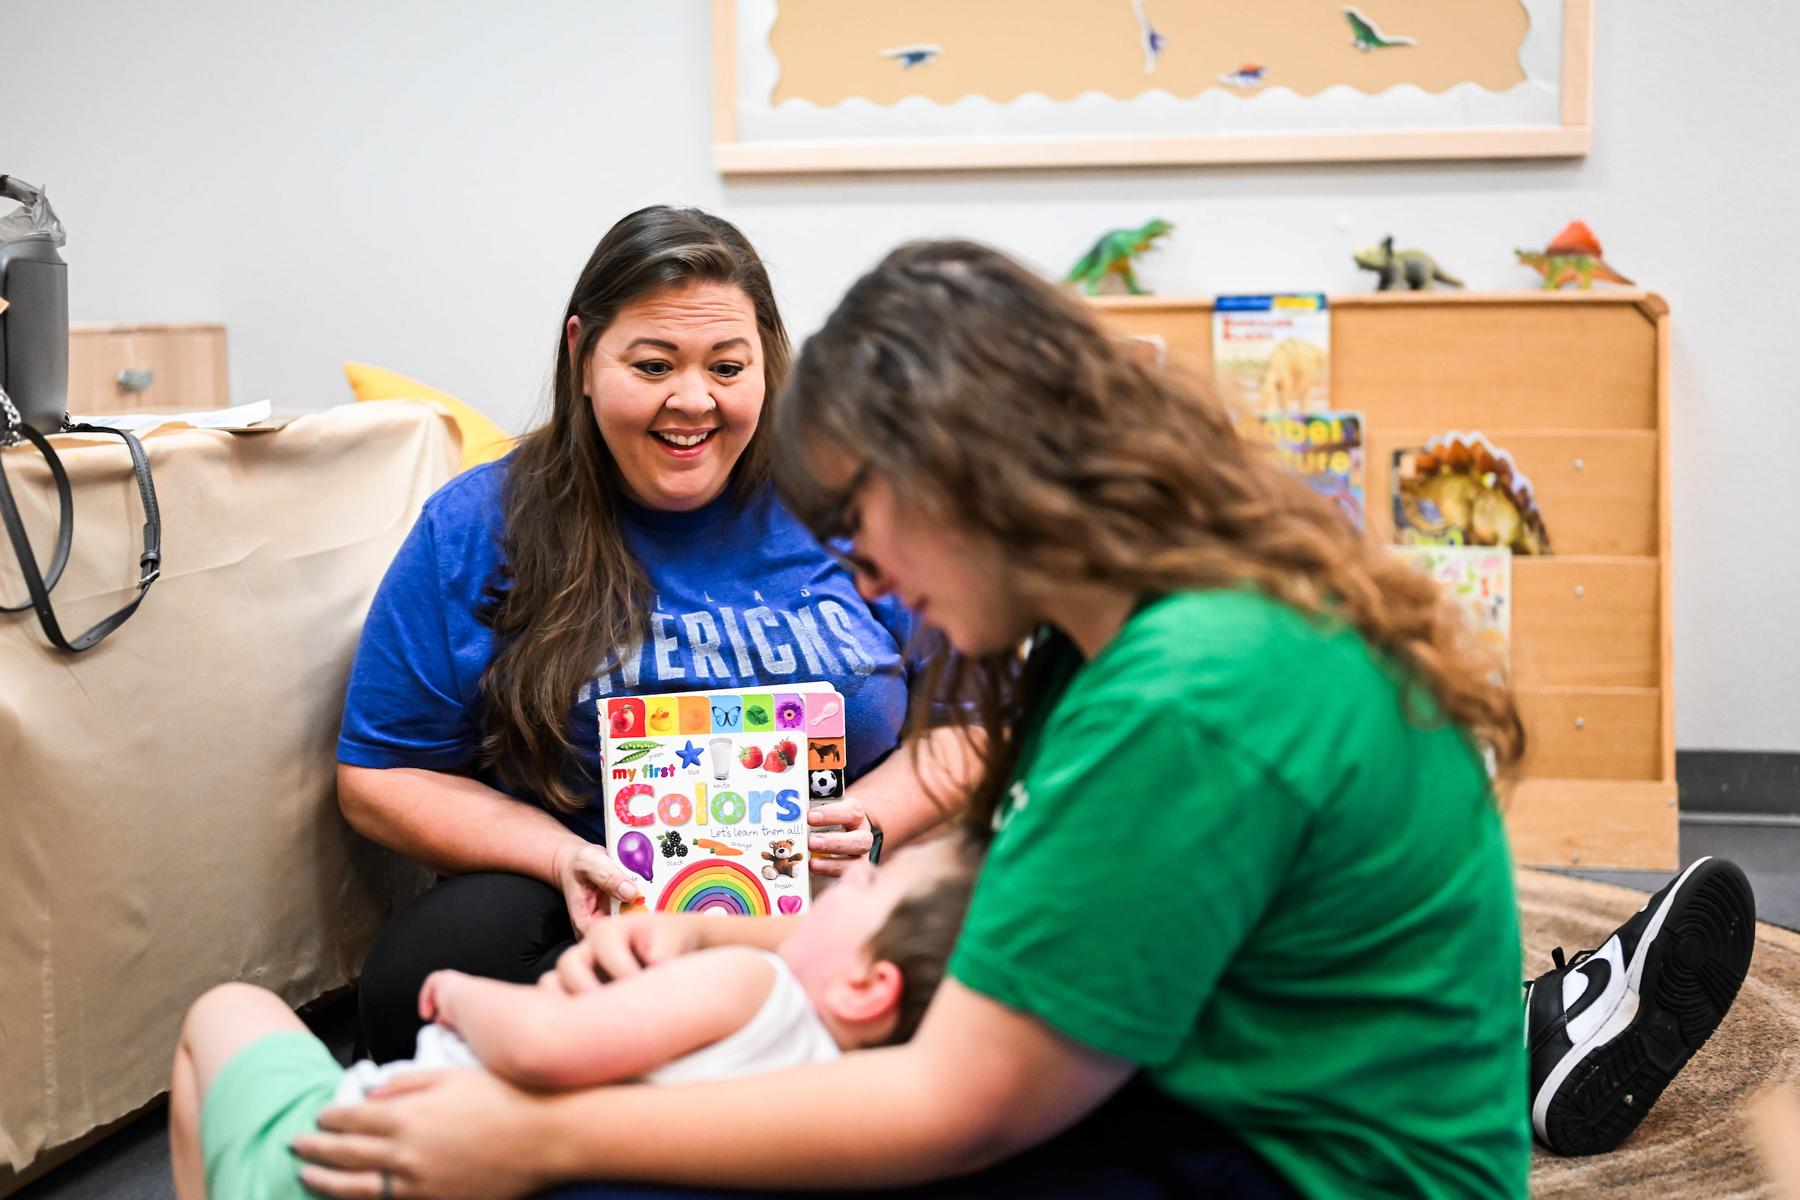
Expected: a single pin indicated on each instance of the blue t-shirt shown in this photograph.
(743, 597)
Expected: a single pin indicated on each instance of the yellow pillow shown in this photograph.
(482, 440)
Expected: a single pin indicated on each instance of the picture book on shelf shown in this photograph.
(1325, 448)
(1480, 578)
(707, 792)
(1274, 352)
(1459, 489)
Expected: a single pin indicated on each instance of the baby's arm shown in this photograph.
(540, 1037)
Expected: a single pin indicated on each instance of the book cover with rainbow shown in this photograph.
(707, 792)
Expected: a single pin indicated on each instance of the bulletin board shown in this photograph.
(865, 85)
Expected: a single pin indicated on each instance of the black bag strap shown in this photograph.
(38, 585)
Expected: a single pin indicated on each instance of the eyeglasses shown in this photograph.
(838, 528)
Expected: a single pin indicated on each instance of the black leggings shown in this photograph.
(1139, 1145)
(491, 924)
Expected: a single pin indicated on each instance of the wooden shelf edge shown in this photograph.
(1650, 304)
(1497, 434)
(1620, 825)
(151, 327)
(842, 156)
(1530, 561)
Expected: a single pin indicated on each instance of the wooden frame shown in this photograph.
(1592, 631)
(1570, 138)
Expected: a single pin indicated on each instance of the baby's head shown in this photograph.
(871, 953)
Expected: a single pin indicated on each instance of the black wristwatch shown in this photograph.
(874, 843)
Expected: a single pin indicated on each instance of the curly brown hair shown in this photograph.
(999, 402)
(571, 596)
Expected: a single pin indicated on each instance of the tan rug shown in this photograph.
(1697, 1141)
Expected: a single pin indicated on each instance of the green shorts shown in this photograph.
(268, 1094)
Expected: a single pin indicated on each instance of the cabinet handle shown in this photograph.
(136, 379)
(1581, 722)
(1579, 464)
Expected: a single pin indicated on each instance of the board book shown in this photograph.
(1325, 449)
(1273, 353)
(1459, 489)
(706, 794)
(1480, 578)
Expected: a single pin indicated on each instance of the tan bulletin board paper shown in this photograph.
(169, 796)
(848, 84)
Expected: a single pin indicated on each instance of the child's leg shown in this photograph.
(219, 1024)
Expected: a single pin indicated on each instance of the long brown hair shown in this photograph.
(998, 402)
(572, 597)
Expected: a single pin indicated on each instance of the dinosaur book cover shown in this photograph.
(1273, 352)
(707, 792)
(1459, 489)
(1324, 448)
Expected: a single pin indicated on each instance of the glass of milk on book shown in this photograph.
(720, 749)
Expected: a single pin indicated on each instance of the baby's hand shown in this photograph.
(432, 995)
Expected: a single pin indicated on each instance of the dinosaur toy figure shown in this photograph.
(1573, 256)
(1112, 255)
(1366, 37)
(1415, 267)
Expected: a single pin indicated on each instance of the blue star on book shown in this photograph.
(689, 754)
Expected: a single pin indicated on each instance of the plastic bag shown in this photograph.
(35, 219)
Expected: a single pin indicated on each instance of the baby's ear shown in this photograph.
(870, 997)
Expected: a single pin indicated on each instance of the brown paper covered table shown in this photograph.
(168, 812)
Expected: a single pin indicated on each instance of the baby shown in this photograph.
(858, 970)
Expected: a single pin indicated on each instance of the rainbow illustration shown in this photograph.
(714, 885)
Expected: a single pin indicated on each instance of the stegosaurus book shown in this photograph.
(707, 792)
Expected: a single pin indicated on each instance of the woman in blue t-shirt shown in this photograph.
(633, 544)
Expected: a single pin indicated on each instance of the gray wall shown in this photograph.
(416, 182)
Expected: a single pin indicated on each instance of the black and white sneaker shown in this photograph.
(1608, 1029)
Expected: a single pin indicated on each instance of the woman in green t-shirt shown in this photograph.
(1246, 925)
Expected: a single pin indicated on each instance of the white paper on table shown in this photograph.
(244, 418)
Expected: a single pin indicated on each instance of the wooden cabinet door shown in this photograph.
(147, 368)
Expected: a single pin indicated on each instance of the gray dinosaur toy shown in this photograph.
(1415, 268)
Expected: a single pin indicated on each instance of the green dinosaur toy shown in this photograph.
(1415, 268)
(1112, 255)
(1364, 35)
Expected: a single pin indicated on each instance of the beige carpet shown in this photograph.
(1697, 1141)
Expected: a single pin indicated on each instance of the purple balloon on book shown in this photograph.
(636, 854)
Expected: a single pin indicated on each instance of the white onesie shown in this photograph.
(785, 1032)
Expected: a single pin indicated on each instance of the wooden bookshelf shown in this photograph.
(1576, 386)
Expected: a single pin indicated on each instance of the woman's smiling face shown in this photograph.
(676, 384)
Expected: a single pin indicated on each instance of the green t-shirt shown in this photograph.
(1228, 854)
